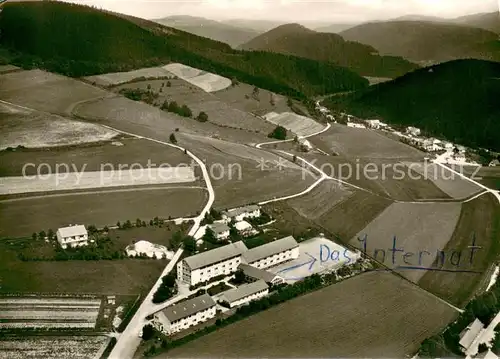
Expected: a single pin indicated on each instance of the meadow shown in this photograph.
(297, 124)
(375, 314)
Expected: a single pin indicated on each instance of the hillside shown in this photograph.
(426, 42)
(488, 21)
(295, 39)
(457, 100)
(334, 28)
(215, 30)
(77, 40)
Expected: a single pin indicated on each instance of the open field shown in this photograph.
(420, 230)
(299, 125)
(374, 315)
(238, 174)
(363, 143)
(140, 118)
(46, 312)
(322, 250)
(218, 111)
(37, 129)
(449, 182)
(95, 179)
(45, 91)
(377, 80)
(116, 78)
(488, 176)
(240, 97)
(127, 276)
(207, 81)
(23, 216)
(320, 200)
(76, 347)
(123, 152)
(157, 235)
(479, 220)
(385, 177)
(352, 214)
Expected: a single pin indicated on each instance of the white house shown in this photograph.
(305, 144)
(72, 236)
(355, 125)
(414, 131)
(261, 274)
(149, 249)
(470, 334)
(494, 163)
(221, 230)
(185, 314)
(273, 253)
(239, 214)
(375, 124)
(245, 293)
(206, 265)
(245, 228)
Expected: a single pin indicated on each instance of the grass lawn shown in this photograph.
(480, 217)
(219, 288)
(157, 235)
(375, 314)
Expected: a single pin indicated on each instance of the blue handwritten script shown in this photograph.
(414, 260)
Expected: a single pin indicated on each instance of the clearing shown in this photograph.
(299, 125)
(116, 78)
(207, 81)
(363, 143)
(375, 314)
(479, 221)
(23, 216)
(420, 229)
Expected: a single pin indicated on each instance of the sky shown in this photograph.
(296, 10)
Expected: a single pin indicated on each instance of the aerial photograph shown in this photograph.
(249, 179)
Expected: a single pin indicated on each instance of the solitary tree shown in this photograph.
(169, 84)
(147, 332)
(173, 139)
(173, 107)
(279, 133)
(239, 277)
(294, 158)
(209, 236)
(186, 111)
(202, 117)
(189, 244)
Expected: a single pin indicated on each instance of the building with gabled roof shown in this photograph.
(204, 266)
(261, 274)
(469, 334)
(272, 253)
(245, 293)
(185, 314)
(240, 213)
(72, 236)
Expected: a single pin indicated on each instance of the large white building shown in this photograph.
(239, 214)
(245, 293)
(273, 253)
(206, 265)
(72, 236)
(470, 334)
(185, 314)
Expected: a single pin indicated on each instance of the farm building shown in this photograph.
(207, 265)
(245, 293)
(273, 253)
(73, 236)
(244, 228)
(355, 125)
(414, 131)
(470, 334)
(221, 230)
(149, 249)
(494, 163)
(185, 314)
(239, 214)
(261, 274)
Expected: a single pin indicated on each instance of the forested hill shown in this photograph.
(77, 40)
(458, 100)
(295, 39)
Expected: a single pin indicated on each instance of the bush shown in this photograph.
(202, 117)
(148, 332)
(173, 139)
(279, 133)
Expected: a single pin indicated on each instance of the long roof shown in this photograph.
(244, 290)
(470, 333)
(237, 211)
(257, 273)
(270, 249)
(188, 307)
(71, 231)
(215, 255)
(219, 227)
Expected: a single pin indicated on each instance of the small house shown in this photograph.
(72, 236)
(470, 334)
(239, 214)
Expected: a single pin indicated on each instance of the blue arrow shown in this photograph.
(311, 263)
